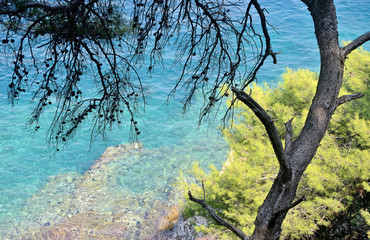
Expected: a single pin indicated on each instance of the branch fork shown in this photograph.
(284, 210)
(273, 55)
(216, 217)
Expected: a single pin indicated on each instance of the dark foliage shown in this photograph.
(108, 41)
(348, 224)
(215, 41)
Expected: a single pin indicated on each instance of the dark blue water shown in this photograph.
(26, 164)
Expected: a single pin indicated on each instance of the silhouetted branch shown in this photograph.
(307, 2)
(213, 39)
(5, 10)
(268, 50)
(78, 40)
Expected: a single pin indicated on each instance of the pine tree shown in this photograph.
(339, 172)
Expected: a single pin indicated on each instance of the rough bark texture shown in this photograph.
(298, 153)
(277, 203)
(301, 151)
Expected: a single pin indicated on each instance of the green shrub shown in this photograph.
(339, 171)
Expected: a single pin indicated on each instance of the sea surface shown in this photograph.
(27, 166)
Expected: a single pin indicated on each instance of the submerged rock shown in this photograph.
(169, 219)
(184, 229)
(97, 205)
(86, 226)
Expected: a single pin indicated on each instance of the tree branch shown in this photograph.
(288, 134)
(217, 218)
(277, 214)
(347, 98)
(307, 2)
(355, 44)
(269, 126)
(268, 50)
(34, 5)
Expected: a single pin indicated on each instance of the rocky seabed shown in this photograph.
(98, 204)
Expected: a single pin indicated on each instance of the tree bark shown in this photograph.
(301, 151)
(298, 154)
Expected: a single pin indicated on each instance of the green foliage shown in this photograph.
(366, 216)
(339, 171)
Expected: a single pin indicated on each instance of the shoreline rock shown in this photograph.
(94, 205)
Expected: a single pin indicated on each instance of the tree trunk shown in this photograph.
(281, 196)
(298, 154)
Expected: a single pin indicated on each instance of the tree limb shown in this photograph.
(34, 5)
(307, 2)
(277, 214)
(217, 218)
(355, 44)
(288, 134)
(268, 50)
(347, 98)
(269, 126)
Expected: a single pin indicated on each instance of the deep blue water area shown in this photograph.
(26, 164)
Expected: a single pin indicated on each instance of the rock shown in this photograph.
(62, 232)
(183, 230)
(209, 237)
(96, 206)
(120, 151)
(169, 219)
(87, 226)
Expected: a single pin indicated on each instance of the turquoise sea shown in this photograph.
(32, 179)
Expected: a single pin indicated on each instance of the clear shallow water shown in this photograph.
(26, 166)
